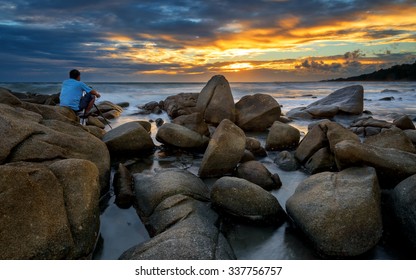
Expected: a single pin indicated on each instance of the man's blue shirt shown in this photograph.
(71, 93)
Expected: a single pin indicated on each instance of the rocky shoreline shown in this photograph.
(53, 171)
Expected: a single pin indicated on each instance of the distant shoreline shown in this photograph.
(397, 73)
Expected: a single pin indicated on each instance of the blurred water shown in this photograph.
(289, 95)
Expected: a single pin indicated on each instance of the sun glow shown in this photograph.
(236, 67)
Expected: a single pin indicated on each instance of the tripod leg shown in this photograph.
(101, 114)
(84, 116)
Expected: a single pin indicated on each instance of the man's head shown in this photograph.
(74, 74)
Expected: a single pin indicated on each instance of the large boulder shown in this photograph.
(392, 165)
(391, 138)
(180, 136)
(49, 212)
(216, 101)
(174, 206)
(322, 160)
(404, 122)
(93, 121)
(174, 210)
(255, 172)
(7, 97)
(194, 122)
(104, 107)
(247, 201)
(47, 112)
(180, 104)
(298, 113)
(104, 112)
(347, 100)
(96, 131)
(81, 190)
(323, 111)
(282, 136)
(224, 151)
(151, 190)
(113, 114)
(57, 113)
(257, 112)
(191, 239)
(404, 202)
(339, 213)
(30, 136)
(336, 133)
(128, 138)
(52, 174)
(32, 214)
(313, 141)
(411, 134)
(16, 125)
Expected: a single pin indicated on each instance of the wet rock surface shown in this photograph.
(174, 206)
(339, 212)
(348, 100)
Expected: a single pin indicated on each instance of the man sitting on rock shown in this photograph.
(72, 93)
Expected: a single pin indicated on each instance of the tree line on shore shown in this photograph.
(403, 72)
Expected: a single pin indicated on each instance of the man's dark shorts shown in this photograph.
(85, 100)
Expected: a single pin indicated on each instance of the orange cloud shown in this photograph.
(238, 47)
(361, 27)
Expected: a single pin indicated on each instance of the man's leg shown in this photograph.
(90, 104)
(86, 102)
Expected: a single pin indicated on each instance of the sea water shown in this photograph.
(122, 229)
(289, 95)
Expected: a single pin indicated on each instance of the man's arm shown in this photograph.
(94, 92)
(90, 89)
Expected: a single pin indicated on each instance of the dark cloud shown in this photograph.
(319, 65)
(354, 55)
(180, 17)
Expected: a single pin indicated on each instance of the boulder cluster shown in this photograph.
(339, 207)
(182, 213)
(61, 168)
(52, 174)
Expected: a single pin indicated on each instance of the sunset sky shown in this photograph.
(190, 41)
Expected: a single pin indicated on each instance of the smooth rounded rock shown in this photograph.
(224, 151)
(244, 200)
(340, 213)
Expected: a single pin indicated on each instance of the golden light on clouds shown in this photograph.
(158, 71)
(392, 16)
(237, 46)
(362, 26)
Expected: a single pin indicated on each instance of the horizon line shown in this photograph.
(203, 82)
